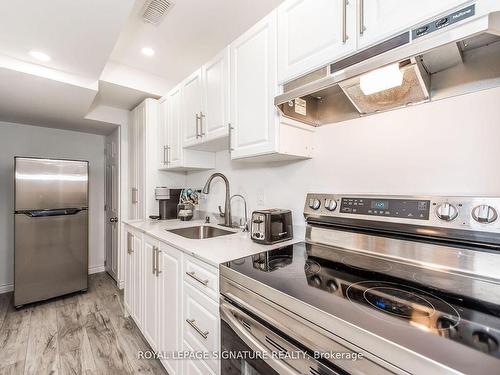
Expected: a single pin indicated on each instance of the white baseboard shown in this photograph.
(10, 287)
(6, 288)
(121, 284)
(96, 269)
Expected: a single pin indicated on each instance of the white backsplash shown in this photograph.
(449, 147)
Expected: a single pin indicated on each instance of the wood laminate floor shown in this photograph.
(84, 333)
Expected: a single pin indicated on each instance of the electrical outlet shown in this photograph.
(261, 197)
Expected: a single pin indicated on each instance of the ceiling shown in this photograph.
(40, 101)
(189, 35)
(96, 61)
(78, 35)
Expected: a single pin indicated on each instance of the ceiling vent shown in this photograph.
(155, 10)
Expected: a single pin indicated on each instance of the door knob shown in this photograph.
(113, 220)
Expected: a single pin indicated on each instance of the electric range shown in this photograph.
(381, 285)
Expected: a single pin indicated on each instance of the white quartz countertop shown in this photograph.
(215, 250)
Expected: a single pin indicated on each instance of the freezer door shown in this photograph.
(47, 184)
(51, 255)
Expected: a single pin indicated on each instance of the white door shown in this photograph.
(313, 33)
(214, 123)
(137, 161)
(150, 291)
(253, 88)
(381, 19)
(174, 128)
(111, 202)
(191, 108)
(170, 306)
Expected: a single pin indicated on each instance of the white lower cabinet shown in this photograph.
(170, 306)
(173, 298)
(133, 295)
(201, 323)
(151, 291)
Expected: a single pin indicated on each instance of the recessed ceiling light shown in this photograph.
(40, 55)
(148, 51)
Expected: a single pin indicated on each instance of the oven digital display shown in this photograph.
(380, 205)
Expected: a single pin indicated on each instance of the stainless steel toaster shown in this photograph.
(271, 226)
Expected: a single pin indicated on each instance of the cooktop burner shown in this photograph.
(403, 295)
(402, 301)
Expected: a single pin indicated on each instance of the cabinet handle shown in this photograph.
(202, 116)
(158, 251)
(362, 27)
(164, 155)
(154, 259)
(230, 142)
(198, 118)
(134, 195)
(192, 274)
(193, 324)
(344, 21)
(168, 155)
(129, 244)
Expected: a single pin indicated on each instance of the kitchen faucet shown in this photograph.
(245, 225)
(227, 204)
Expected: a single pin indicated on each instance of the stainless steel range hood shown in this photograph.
(455, 59)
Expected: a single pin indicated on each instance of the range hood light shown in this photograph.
(381, 79)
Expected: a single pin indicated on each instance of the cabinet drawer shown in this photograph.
(201, 323)
(195, 367)
(202, 276)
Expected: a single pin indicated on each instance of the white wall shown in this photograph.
(446, 147)
(24, 140)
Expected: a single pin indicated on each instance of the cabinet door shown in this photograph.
(150, 292)
(214, 123)
(191, 108)
(170, 305)
(253, 88)
(162, 136)
(174, 128)
(382, 18)
(139, 161)
(313, 33)
(128, 293)
(138, 290)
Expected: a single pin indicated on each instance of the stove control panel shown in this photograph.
(464, 213)
(403, 208)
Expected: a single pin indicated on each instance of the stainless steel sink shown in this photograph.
(200, 232)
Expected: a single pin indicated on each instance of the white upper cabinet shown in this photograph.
(379, 19)
(256, 127)
(192, 108)
(253, 87)
(215, 115)
(313, 33)
(172, 154)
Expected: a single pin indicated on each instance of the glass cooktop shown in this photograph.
(455, 307)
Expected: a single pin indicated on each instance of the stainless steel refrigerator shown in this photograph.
(51, 228)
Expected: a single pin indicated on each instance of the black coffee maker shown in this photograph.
(167, 202)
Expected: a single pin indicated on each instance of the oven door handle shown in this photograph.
(254, 344)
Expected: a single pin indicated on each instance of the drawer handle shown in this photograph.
(193, 324)
(193, 275)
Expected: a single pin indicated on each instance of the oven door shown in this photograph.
(250, 347)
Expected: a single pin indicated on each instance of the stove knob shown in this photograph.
(330, 204)
(314, 203)
(447, 328)
(485, 342)
(332, 286)
(316, 281)
(447, 212)
(484, 214)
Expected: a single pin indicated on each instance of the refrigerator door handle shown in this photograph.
(44, 213)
